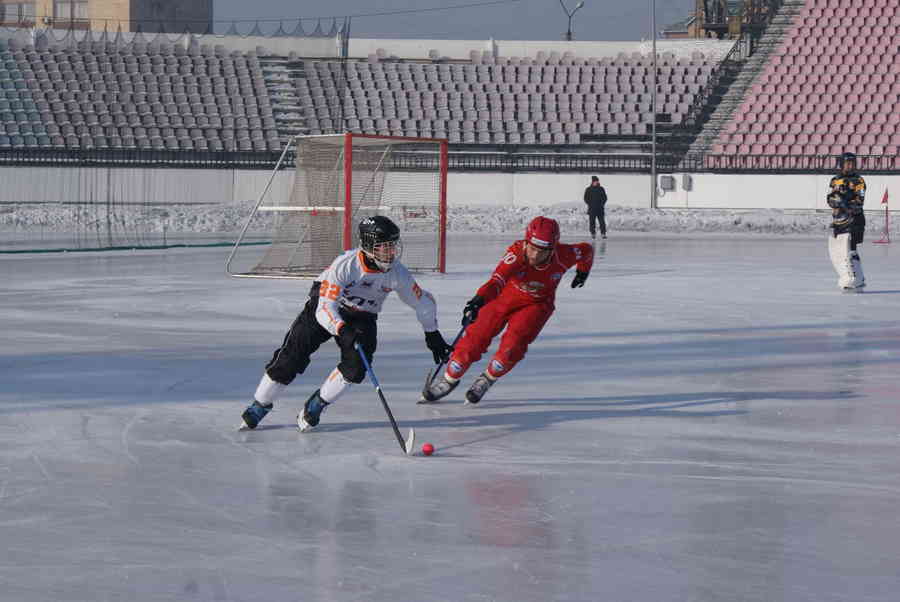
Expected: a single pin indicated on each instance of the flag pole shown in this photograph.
(886, 237)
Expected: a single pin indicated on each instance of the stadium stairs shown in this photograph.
(281, 74)
(738, 77)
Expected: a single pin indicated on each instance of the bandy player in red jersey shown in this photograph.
(520, 297)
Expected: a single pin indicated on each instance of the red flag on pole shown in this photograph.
(886, 238)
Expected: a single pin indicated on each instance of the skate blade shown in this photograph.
(243, 426)
(410, 444)
(303, 426)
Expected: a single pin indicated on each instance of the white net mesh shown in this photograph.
(399, 178)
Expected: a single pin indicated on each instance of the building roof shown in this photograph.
(680, 26)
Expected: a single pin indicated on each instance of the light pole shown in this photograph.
(570, 15)
(653, 195)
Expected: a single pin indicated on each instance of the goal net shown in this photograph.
(339, 180)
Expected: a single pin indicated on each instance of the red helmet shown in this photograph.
(542, 232)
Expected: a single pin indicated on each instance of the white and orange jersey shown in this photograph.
(349, 283)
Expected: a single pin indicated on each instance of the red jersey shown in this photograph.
(539, 283)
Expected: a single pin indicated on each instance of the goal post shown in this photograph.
(337, 181)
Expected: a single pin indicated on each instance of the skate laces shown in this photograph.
(315, 406)
(258, 410)
(482, 383)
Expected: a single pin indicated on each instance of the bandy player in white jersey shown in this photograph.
(343, 305)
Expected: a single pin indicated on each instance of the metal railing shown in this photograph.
(138, 158)
(722, 163)
(690, 122)
(465, 159)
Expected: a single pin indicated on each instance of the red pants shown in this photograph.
(523, 318)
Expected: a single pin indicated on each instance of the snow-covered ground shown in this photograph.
(572, 217)
(44, 225)
(709, 419)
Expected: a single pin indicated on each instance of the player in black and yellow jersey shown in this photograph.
(846, 195)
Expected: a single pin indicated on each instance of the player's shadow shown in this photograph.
(559, 410)
(755, 329)
(892, 292)
(680, 398)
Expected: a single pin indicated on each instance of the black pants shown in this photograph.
(857, 229)
(306, 335)
(598, 214)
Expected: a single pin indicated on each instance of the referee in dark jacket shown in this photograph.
(595, 197)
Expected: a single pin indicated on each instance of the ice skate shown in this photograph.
(312, 411)
(253, 415)
(479, 388)
(854, 290)
(438, 390)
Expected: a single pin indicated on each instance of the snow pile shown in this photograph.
(67, 219)
(26, 220)
(572, 217)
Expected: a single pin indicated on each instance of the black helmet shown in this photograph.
(848, 156)
(379, 239)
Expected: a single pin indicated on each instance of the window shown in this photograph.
(62, 10)
(70, 9)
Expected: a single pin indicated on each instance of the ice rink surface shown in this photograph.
(709, 419)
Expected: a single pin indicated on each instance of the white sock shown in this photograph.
(268, 391)
(334, 386)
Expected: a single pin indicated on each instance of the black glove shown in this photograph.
(349, 335)
(578, 280)
(470, 311)
(438, 346)
(837, 201)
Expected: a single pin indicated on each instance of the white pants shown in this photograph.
(846, 262)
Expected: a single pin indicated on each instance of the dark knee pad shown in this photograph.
(280, 376)
(284, 367)
(354, 373)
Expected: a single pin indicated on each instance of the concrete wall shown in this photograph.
(708, 191)
(306, 46)
(739, 191)
(459, 49)
(359, 48)
(135, 185)
(525, 189)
